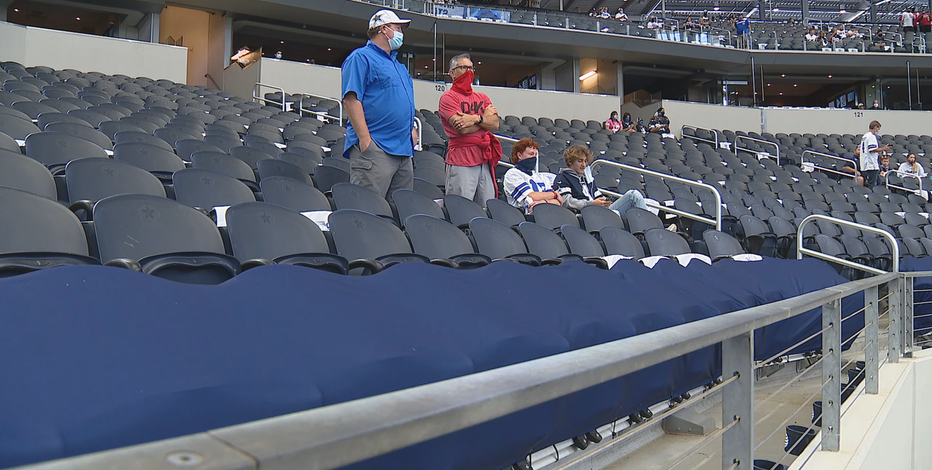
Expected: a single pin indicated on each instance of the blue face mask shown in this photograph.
(396, 41)
(528, 165)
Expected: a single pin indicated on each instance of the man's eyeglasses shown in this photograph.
(466, 68)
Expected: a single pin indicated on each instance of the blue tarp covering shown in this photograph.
(922, 293)
(95, 358)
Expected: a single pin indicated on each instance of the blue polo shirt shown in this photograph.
(386, 91)
(743, 27)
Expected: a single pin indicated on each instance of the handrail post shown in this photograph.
(800, 250)
(872, 336)
(895, 339)
(907, 303)
(420, 134)
(738, 401)
(831, 369)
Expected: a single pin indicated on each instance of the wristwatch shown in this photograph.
(480, 119)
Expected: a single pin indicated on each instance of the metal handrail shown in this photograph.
(800, 251)
(695, 128)
(802, 160)
(753, 139)
(420, 133)
(902, 174)
(328, 437)
(257, 96)
(718, 196)
(338, 101)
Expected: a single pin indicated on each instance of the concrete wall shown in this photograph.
(32, 46)
(219, 43)
(299, 77)
(846, 121)
(240, 81)
(193, 26)
(889, 430)
(711, 116)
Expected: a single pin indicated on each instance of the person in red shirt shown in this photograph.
(473, 151)
(925, 21)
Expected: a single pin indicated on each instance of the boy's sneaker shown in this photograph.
(672, 228)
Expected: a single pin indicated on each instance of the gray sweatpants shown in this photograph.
(471, 182)
(376, 170)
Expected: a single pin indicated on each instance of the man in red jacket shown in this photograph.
(469, 119)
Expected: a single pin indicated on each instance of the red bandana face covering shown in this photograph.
(463, 83)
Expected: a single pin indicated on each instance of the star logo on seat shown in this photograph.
(429, 227)
(359, 224)
(353, 193)
(266, 218)
(107, 170)
(62, 143)
(218, 160)
(207, 181)
(144, 153)
(148, 212)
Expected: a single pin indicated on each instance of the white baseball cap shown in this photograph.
(383, 17)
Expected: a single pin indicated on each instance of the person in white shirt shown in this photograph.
(653, 23)
(812, 36)
(620, 15)
(913, 167)
(526, 186)
(908, 20)
(870, 151)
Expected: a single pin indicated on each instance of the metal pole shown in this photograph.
(435, 51)
(918, 91)
(738, 401)
(763, 89)
(754, 80)
(907, 283)
(909, 85)
(872, 336)
(896, 320)
(663, 10)
(831, 369)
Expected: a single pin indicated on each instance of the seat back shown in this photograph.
(31, 223)
(148, 157)
(409, 202)
(327, 176)
(462, 210)
(721, 244)
(436, 238)
(184, 148)
(351, 196)
(666, 243)
(84, 132)
(621, 242)
(552, 216)
(596, 217)
(640, 220)
(223, 163)
(274, 167)
(581, 242)
(495, 239)
(56, 148)
(361, 235)
(542, 241)
(205, 189)
(92, 179)
(505, 213)
(293, 194)
(20, 172)
(156, 226)
(267, 232)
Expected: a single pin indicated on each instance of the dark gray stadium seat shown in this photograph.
(370, 242)
(581, 242)
(596, 217)
(663, 242)
(205, 189)
(15, 127)
(184, 148)
(462, 210)
(293, 194)
(54, 149)
(20, 172)
(262, 234)
(92, 179)
(351, 196)
(505, 213)
(436, 238)
(721, 245)
(552, 216)
(84, 132)
(170, 240)
(274, 167)
(409, 202)
(498, 241)
(38, 233)
(223, 163)
(153, 159)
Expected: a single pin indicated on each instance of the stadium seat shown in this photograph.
(505, 213)
(351, 196)
(409, 202)
(207, 189)
(15, 127)
(156, 160)
(438, 239)
(55, 149)
(498, 241)
(662, 242)
(38, 233)
(621, 242)
(581, 242)
(18, 171)
(225, 164)
(370, 242)
(273, 167)
(552, 216)
(262, 234)
(92, 179)
(462, 210)
(293, 194)
(721, 245)
(170, 240)
(327, 176)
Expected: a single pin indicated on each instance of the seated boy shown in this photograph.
(576, 187)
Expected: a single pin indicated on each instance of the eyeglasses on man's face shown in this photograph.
(465, 68)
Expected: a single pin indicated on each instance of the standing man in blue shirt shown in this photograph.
(743, 30)
(378, 94)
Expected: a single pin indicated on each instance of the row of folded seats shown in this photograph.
(156, 235)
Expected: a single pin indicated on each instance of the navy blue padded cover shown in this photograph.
(97, 358)
(922, 293)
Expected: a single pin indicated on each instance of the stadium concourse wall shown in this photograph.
(798, 120)
(33, 46)
(299, 77)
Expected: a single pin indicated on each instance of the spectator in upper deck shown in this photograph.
(813, 35)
